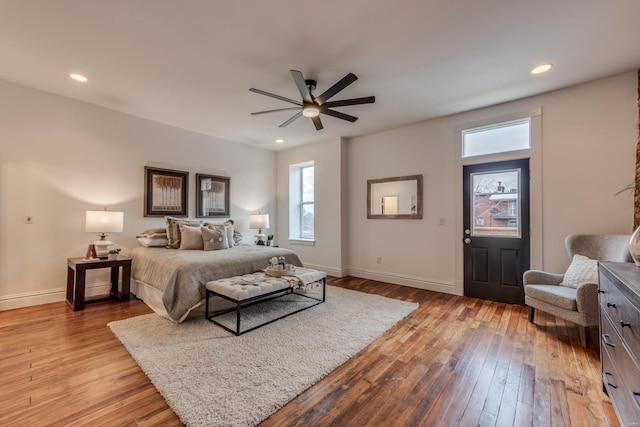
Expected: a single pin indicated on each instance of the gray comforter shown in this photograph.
(181, 274)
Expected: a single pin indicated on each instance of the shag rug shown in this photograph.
(210, 377)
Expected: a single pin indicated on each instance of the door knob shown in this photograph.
(467, 240)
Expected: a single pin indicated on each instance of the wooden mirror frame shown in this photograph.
(417, 215)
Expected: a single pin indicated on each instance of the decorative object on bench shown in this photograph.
(250, 289)
(573, 296)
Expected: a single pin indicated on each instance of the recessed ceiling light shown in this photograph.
(78, 77)
(279, 141)
(542, 68)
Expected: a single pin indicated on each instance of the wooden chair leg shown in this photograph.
(532, 312)
(582, 330)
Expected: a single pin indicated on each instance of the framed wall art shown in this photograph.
(212, 196)
(165, 192)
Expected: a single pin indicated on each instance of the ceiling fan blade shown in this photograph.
(317, 122)
(353, 101)
(272, 95)
(339, 115)
(275, 111)
(333, 90)
(302, 85)
(288, 122)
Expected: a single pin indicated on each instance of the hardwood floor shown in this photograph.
(453, 361)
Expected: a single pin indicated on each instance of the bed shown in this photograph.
(172, 281)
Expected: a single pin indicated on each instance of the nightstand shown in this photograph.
(76, 277)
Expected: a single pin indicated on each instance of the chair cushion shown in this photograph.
(581, 270)
(560, 296)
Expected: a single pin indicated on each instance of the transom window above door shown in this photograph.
(502, 137)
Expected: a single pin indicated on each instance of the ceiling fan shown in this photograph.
(311, 106)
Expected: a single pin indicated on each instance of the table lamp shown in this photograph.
(258, 222)
(104, 222)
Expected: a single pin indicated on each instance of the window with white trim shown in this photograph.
(302, 201)
(502, 137)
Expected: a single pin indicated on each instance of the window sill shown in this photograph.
(302, 242)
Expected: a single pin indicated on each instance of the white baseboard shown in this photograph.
(331, 271)
(27, 299)
(405, 280)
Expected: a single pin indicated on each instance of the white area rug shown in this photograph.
(210, 377)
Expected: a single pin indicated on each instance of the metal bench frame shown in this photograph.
(240, 304)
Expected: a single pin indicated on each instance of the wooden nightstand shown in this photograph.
(76, 276)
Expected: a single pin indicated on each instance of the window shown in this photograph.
(307, 205)
(497, 138)
(512, 208)
(302, 201)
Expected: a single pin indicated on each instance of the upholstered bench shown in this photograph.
(250, 289)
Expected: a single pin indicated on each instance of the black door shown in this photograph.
(496, 230)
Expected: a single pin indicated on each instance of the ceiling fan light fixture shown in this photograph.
(310, 111)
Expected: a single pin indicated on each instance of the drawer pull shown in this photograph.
(623, 324)
(611, 305)
(606, 374)
(605, 338)
(600, 291)
(635, 396)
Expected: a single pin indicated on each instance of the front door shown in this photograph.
(496, 230)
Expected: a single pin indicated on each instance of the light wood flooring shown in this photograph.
(453, 361)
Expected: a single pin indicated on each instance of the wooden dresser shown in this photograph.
(619, 298)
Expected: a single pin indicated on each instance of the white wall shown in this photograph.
(327, 252)
(60, 157)
(589, 135)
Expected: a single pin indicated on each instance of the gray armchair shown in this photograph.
(544, 291)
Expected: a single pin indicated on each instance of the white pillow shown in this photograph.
(190, 238)
(581, 270)
(153, 242)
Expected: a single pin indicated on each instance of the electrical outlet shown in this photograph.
(379, 260)
(28, 219)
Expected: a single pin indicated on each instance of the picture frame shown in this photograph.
(165, 192)
(212, 196)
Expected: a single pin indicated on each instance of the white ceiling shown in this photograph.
(190, 63)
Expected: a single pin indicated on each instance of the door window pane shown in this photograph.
(496, 204)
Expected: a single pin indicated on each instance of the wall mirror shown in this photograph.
(395, 198)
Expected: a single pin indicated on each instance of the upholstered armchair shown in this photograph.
(575, 298)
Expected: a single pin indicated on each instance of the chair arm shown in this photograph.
(587, 297)
(537, 277)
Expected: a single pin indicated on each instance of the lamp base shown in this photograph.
(102, 248)
(259, 239)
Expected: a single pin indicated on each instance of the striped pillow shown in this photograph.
(173, 229)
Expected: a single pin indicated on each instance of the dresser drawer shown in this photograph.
(624, 316)
(625, 399)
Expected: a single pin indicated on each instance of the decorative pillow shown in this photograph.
(581, 270)
(153, 232)
(228, 229)
(153, 242)
(214, 238)
(237, 237)
(190, 238)
(173, 229)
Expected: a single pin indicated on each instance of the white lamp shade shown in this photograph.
(258, 221)
(104, 222)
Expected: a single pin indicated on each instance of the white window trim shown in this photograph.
(295, 204)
